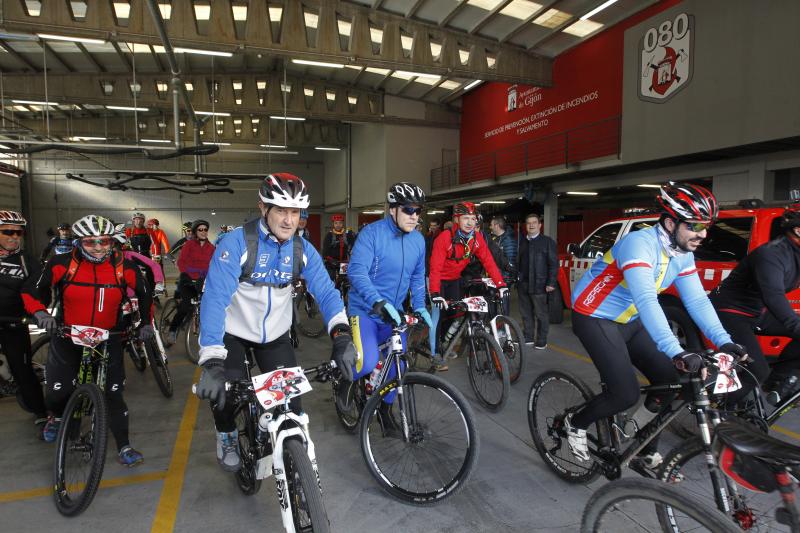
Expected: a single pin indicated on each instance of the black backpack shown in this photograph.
(251, 239)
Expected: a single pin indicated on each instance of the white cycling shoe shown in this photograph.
(576, 438)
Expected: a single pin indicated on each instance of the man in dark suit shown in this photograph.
(538, 268)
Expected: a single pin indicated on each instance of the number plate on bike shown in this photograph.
(476, 304)
(88, 335)
(727, 380)
(131, 305)
(343, 268)
(276, 387)
(488, 282)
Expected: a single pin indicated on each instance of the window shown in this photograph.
(727, 240)
(642, 224)
(601, 240)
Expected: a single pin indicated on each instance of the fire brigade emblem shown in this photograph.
(666, 58)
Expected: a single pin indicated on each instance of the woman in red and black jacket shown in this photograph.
(91, 284)
(451, 253)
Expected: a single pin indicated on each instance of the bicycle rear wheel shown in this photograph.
(418, 350)
(40, 350)
(351, 402)
(553, 395)
(305, 493)
(248, 453)
(488, 370)
(136, 351)
(167, 314)
(512, 343)
(437, 458)
(310, 321)
(686, 468)
(159, 365)
(627, 505)
(193, 336)
(80, 450)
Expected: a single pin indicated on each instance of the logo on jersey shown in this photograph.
(287, 259)
(666, 58)
(262, 260)
(224, 256)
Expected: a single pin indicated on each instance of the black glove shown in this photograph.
(344, 352)
(439, 301)
(738, 351)
(688, 362)
(146, 332)
(212, 383)
(387, 312)
(46, 321)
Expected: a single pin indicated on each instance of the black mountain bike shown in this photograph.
(308, 317)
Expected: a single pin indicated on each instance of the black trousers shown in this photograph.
(451, 290)
(63, 364)
(187, 290)
(616, 349)
(269, 356)
(16, 343)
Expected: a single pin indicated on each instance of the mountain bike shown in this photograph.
(556, 394)
(83, 434)
(308, 317)
(191, 322)
(275, 441)
(342, 282)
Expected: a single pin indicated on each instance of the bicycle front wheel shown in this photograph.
(511, 341)
(193, 336)
(488, 371)
(160, 366)
(435, 458)
(305, 493)
(136, 351)
(248, 449)
(80, 450)
(40, 350)
(627, 505)
(309, 318)
(167, 314)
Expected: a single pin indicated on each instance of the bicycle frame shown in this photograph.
(393, 353)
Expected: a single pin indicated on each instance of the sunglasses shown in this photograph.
(104, 241)
(202, 229)
(408, 210)
(12, 232)
(697, 227)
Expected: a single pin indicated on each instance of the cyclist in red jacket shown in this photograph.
(451, 253)
(91, 284)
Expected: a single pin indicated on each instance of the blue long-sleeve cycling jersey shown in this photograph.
(259, 312)
(385, 263)
(624, 283)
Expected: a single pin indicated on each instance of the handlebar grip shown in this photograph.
(194, 387)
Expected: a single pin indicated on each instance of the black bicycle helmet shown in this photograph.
(199, 222)
(405, 193)
(64, 226)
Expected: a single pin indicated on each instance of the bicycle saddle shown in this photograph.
(745, 439)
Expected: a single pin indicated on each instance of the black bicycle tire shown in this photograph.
(412, 354)
(64, 506)
(518, 366)
(42, 340)
(160, 367)
(500, 358)
(139, 360)
(192, 353)
(656, 491)
(591, 472)
(308, 332)
(350, 428)
(295, 451)
(167, 314)
(473, 448)
(247, 486)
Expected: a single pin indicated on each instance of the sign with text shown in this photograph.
(666, 58)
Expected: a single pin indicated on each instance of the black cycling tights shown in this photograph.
(270, 356)
(615, 350)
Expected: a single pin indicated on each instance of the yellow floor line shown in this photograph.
(168, 503)
(779, 429)
(16, 496)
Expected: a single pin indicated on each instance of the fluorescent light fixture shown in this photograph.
(598, 9)
(156, 141)
(4, 147)
(649, 186)
(279, 152)
(51, 37)
(581, 193)
(317, 63)
(472, 85)
(493, 202)
(279, 117)
(327, 148)
(179, 50)
(272, 145)
(84, 138)
(34, 102)
(435, 212)
(404, 73)
(212, 113)
(126, 108)
(372, 212)
(11, 36)
(216, 144)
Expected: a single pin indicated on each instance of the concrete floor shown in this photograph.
(181, 488)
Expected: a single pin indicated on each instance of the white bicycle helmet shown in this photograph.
(12, 218)
(119, 234)
(284, 190)
(93, 226)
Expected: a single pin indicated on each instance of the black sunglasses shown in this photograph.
(408, 210)
(12, 232)
(202, 229)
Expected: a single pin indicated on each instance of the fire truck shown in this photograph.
(738, 231)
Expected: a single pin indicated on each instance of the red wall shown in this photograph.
(587, 89)
(313, 229)
(366, 219)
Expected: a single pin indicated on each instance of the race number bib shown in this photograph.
(476, 304)
(489, 283)
(727, 380)
(343, 268)
(88, 335)
(276, 387)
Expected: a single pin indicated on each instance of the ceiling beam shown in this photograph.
(485, 20)
(90, 57)
(49, 49)
(412, 10)
(453, 12)
(524, 24)
(122, 56)
(19, 57)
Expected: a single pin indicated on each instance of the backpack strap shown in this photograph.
(251, 240)
(297, 260)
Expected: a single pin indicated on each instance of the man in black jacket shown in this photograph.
(538, 268)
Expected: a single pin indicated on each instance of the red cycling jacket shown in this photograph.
(194, 258)
(160, 244)
(94, 295)
(449, 258)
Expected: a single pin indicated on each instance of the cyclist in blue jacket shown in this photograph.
(243, 310)
(387, 261)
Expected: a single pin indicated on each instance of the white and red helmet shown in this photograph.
(687, 202)
(284, 190)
